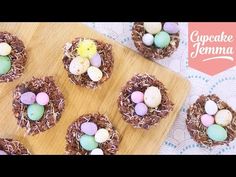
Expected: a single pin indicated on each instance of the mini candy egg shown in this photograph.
(95, 74)
(148, 39)
(207, 120)
(88, 142)
(87, 48)
(28, 98)
(35, 112)
(79, 65)
(171, 27)
(141, 109)
(152, 27)
(42, 98)
(223, 117)
(137, 97)
(97, 151)
(216, 133)
(96, 60)
(101, 135)
(89, 128)
(152, 97)
(211, 107)
(5, 49)
(162, 39)
(3, 152)
(5, 64)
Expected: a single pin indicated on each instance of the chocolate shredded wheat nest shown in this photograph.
(198, 131)
(109, 147)
(53, 109)
(104, 50)
(13, 147)
(152, 52)
(17, 57)
(141, 82)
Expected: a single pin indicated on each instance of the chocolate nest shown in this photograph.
(141, 82)
(109, 147)
(13, 147)
(153, 52)
(198, 131)
(104, 50)
(53, 109)
(17, 57)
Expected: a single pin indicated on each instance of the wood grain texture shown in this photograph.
(44, 43)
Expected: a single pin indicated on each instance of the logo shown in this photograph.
(211, 47)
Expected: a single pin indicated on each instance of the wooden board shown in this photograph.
(44, 43)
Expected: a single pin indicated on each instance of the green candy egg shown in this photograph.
(88, 142)
(5, 64)
(216, 133)
(162, 39)
(35, 112)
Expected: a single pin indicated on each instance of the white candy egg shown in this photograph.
(97, 151)
(101, 135)
(211, 107)
(94, 73)
(5, 49)
(79, 65)
(148, 39)
(152, 97)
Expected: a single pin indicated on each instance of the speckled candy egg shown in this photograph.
(42, 98)
(3, 152)
(35, 112)
(152, 27)
(152, 97)
(88, 142)
(96, 60)
(28, 98)
(101, 135)
(5, 49)
(211, 107)
(5, 64)
(141, 109)
(207, 120)
(79, 65)
(223, 117)
(94, 73)
(89, 128)
(162, 39)
(97, 151)
(137, 97)
(148, 39)
(171, 27)
(216, 133)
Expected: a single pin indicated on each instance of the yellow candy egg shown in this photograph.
(152, 97)
(223, 117)
(79, 65)
(87, 48)
(5, 49)
(95, 74)
(152, 27)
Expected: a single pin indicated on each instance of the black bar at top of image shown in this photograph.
(116, 11)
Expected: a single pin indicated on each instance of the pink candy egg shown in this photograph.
(42, 98)
(207, 120)
(28, 98)
(137, 97)
(141, 109)
(89, 128)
